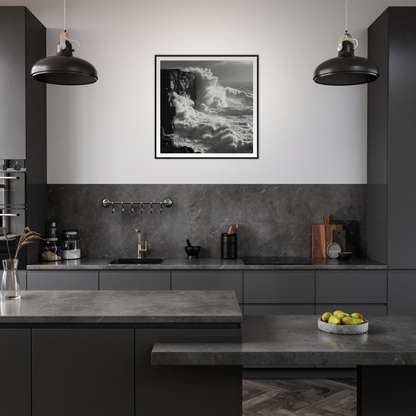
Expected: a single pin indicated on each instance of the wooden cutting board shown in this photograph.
(321, 237)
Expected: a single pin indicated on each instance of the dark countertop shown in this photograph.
(208, 264)
(119, 306)
(296, 340)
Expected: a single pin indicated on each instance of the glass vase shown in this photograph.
(10, 285)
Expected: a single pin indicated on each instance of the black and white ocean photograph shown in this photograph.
(206, 106)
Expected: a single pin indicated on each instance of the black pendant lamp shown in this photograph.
(64, 69)
(346, 68)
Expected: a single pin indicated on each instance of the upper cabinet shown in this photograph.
(392, 139)
(22, 100)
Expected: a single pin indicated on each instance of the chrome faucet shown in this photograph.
(140, 250)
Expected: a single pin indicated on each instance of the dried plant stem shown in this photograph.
(7, 243)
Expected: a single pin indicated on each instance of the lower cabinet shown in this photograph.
(62, 280)
(363, 308)
(82, 372)
(402, 289)
(22, 279)
(209, 280)
(265, 309)
(186, 390)
(135, 280)
(15, 372)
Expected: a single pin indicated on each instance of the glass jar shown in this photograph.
(51, 251)
(71, 248)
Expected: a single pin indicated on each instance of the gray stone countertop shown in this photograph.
(208, 263)
(141, 306)
(296, 340)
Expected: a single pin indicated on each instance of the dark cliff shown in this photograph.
(180, 82)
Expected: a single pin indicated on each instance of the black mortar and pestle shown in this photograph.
(192, 251)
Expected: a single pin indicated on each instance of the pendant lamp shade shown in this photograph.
(64, 69)
(346, 69)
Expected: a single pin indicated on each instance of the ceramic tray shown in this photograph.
(343, 329)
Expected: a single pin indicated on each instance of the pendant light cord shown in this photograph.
(346, 16)
(64, 15)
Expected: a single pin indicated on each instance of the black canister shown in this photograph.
(228, 246)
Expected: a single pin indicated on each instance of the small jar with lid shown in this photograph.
(71, 248)
(51, 251)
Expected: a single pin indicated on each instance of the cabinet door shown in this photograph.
(83, 372)
(209, 280)
(13, 83)
(62, 280)
(197, 390)
(22, 279)
(15, 383)
(135, 280)
(402, 289)
(276, 286)
(264, 309)
(351, 286)
(365, 309)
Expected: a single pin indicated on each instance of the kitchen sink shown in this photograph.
(137, 261)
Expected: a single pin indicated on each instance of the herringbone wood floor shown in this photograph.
(294, 397)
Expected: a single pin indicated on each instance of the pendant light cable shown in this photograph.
(64, 15)
(346, 16)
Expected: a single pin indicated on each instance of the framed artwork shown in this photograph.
(206, 107)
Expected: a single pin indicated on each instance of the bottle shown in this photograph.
(71, 248)
(52, 230)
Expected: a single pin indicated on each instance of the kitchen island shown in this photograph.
(89, 353)
(386, 355)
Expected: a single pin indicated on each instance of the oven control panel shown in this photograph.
(12, 165)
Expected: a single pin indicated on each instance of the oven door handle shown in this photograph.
(9, 215)
(10, 178)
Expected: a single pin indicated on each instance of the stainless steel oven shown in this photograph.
(12, 189)
(12, 205)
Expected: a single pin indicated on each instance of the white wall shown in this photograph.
(104, 133)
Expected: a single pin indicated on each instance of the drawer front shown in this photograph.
(22, 279)
(365, 309)
(279, 287)
(209, 280)
(402, 289)
(351, 287)
(62, 280)
(279, 309)
(135, 280)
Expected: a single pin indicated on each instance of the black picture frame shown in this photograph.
(198, 115)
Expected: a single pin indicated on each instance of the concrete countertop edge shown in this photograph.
(205, 264)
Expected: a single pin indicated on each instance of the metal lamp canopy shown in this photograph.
(346, 68)
(64, 69)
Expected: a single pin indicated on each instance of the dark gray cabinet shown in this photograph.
(277, 286)
(189, 390)
(62, 280)
(22, 43)
(22, 279)
(402, 290)
(15, 374)
(83, 372)
(209, 280)
(279, 309)
(351, 287)
(391, 140)
(364, 308)
(135, 280)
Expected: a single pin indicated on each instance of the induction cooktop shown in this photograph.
(256, 260)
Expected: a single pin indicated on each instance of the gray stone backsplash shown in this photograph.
(275, 220)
